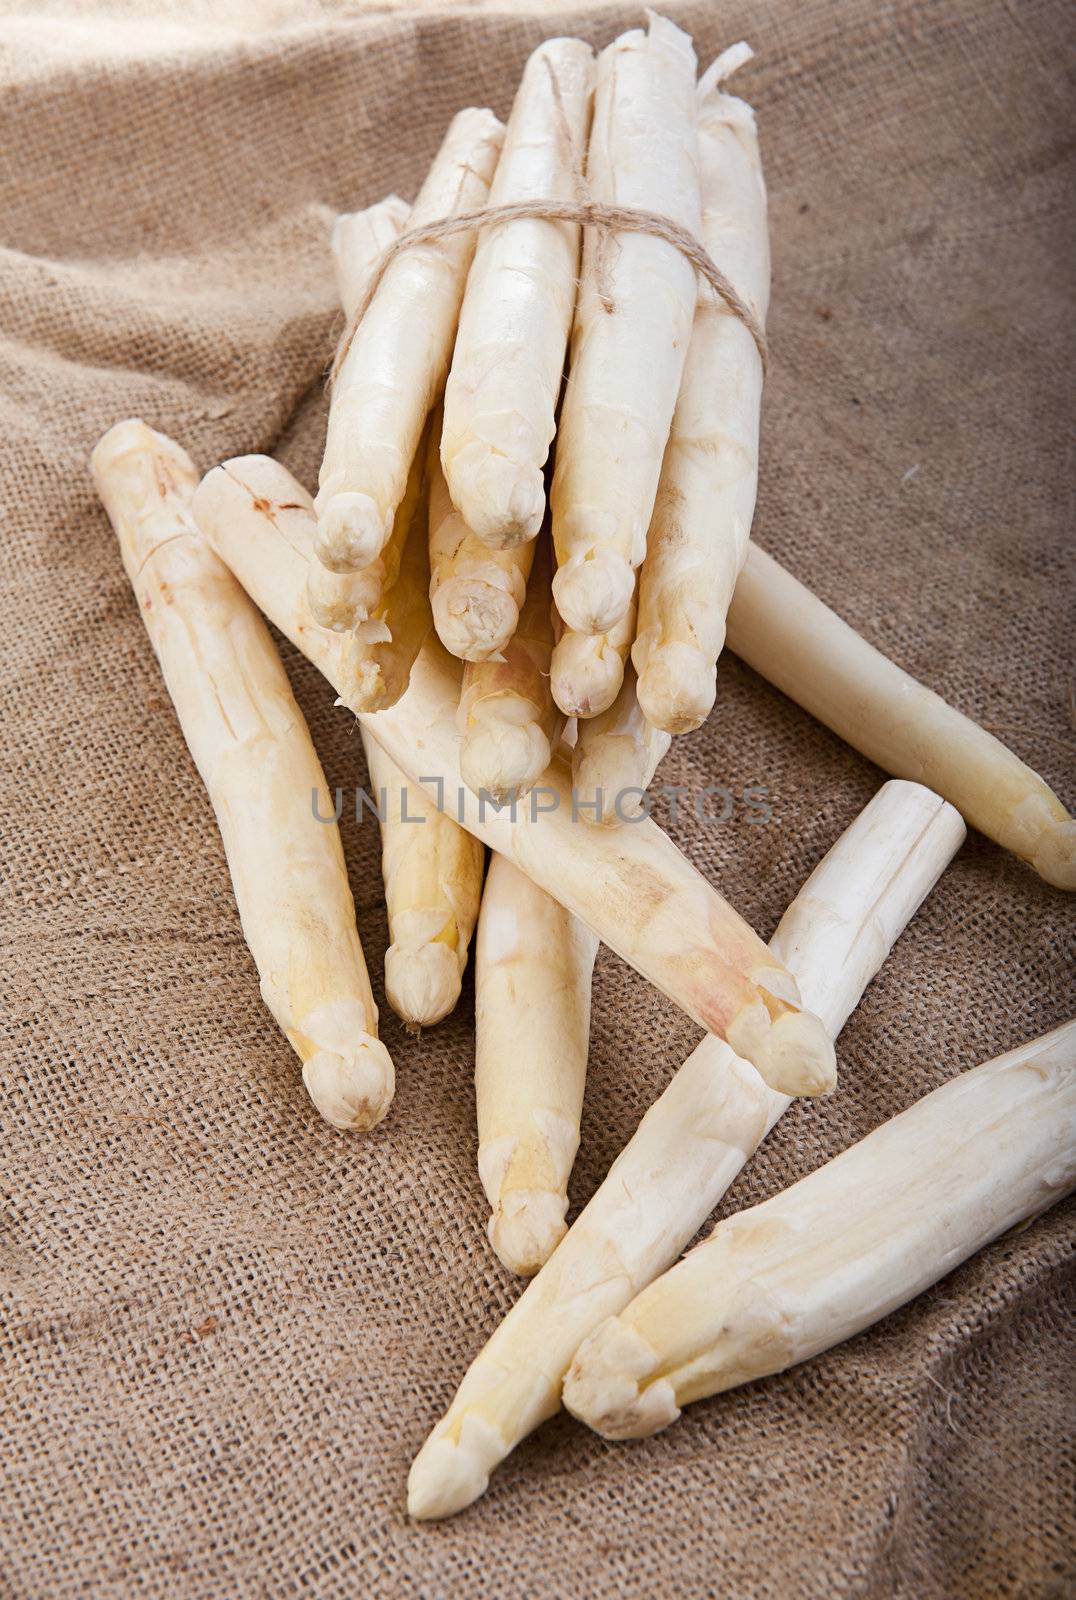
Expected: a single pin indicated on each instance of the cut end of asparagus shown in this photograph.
(449, 1474)
(423, 985)
(474, 621)
(792, 1052)
(677, 688)
(527, 1227)
(1055, 856)
(351, 532)
(505, 760)
(592, 594)
(502, 502)
(352, 1092)
(603, 1385)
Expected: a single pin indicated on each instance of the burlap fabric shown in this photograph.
(226, 1327)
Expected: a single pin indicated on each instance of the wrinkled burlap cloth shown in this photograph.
(226, 1328)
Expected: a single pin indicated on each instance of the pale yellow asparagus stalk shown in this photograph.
(533, 967)
(632, 324)
(785, 633)
(517, 311)
(687, 1150)
(615, 757)
(867, 1232)
(340, 599)
(706, 499)
(396, 365)
(433, 884)
(475, 592)
(587, 669)
(631, 887)
(508, 720)
(253, 751)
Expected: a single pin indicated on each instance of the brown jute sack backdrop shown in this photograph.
(226, 1327)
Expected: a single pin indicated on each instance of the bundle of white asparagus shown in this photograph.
(520, 585)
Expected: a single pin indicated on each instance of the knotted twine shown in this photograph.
(623, 219)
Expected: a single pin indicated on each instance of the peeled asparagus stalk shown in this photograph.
(398, 358)
(433, 884)
(587, 669)
(866, 1233)
(615, 757)
(687, 1150)
(382, 649)
(632, 324)
(706, 499)
(507, 717)
(517, 312)
(476, 593)
(340, 599)
(253, 752)
(533, 968)
(631, 887)
(785, 633)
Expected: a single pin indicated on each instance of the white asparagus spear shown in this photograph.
(632, 324)
(433, 884)
(508, 720)
(340, 599)
(686, 1151)
(533, 967)
(396, 364)
(632, 887)
(475, 592)
(831, 1255)
(587, 669)
(785, 633)
(508, 362)
(253, 751)
(615, 757)
(702, 519)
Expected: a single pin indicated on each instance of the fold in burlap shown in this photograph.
(226, 1327)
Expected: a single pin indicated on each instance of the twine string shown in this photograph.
(610, 218)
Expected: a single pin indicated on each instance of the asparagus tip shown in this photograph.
(448, 1474)
(422, 985)
(603, 1385)
(505, 759)
(502, 502)
(1055, 857)
(351, 1091)
(527, 1227)
(593, 593)
(351, 532)
(677, 687)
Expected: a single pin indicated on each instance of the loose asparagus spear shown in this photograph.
(340, 599)
(706, 499)
(433, 884)
(253, 752)
(533, 966)
(799, 644)
(398, 358)
(517, 312)
(687, 1150)
(507, 717)
(476, 592)
(615, 757)
(867, 1232)
(632, 324)
(638, 893)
